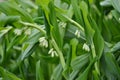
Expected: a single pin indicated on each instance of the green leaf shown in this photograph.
(4, 20)
(116, 4)
(74, 43)
(115, 47)
(39, 71)
(84, 75)
(97, 39)
(95, 76)
(27, 50)
(88, 29)
(10, 8)
(66, 70)
(4, 31)
(73, 74)
(57, 73)
(55, 31)
(110, 60)
(43, 3)
(80, 61)
(6, 74)
(77, 12)
(116, 14)
(27, 3)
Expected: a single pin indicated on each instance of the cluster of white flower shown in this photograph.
(43, 42)
(77, 33)
(18, 32)
(52, 52)
(28, 31)
(62, 24)
(86, 47)
(119, 19)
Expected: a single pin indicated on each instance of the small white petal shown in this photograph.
(77, 33)
(55, 53)
(86, 47)
(43, 42)
(119, 19)
(28, 32)
(50, 51)
(52, 54)
(18, 32)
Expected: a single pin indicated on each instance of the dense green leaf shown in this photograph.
(88, 29)
(116, 4)
(8, 75)
(114, 69)
(12, 9)
(79, 61)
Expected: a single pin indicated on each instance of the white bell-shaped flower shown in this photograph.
(52, 52)
(18, 31)
(86, 47)
(43, 42)
(77, 33)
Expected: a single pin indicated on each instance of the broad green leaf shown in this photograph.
(6, 74)
(39, 71)
(110, 60)
(115, 47)
(43, 3)
(67, 51)
(97, 39)
(34, 37)
(4, 20)
(11, 9)
(55, 31)
(1, 53)
(95, 76)
(116, 14)
(105, 3)
(57, 73)
(80, 61)
(4, 31)
(84, 75)
(77, 12)
(27, 3)
(116, 4)
(27, 50)
(74, 43)
(88, 29)
(73, 74)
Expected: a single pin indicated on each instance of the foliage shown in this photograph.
(60, 40)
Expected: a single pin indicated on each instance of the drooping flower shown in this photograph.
(77, 33)
(86, 47)
(18, 32)
(52, 52)
(43, 42)
(28, 31)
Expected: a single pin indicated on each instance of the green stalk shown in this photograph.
(34, 26)
(94, 55)
(59, 52)
(74, 22)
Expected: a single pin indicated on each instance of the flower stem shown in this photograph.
(34, 25)
(59, 52)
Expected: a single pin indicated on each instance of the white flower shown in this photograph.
(43, 42)
(77, 33)
(119, 19)
(52, 52)
(28, 31)
(62, 24)
(86, 47)
(18, 31)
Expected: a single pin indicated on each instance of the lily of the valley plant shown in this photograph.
(60, 40)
